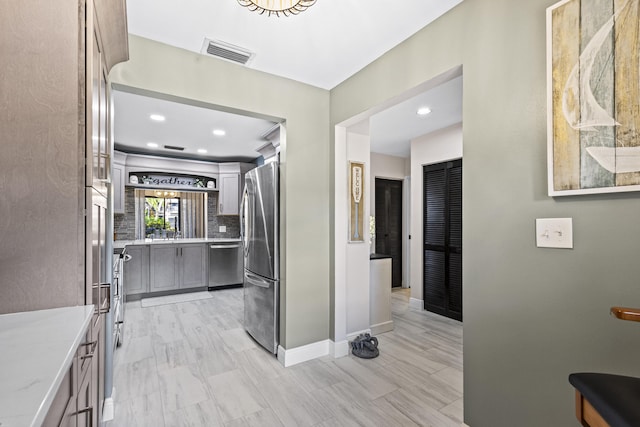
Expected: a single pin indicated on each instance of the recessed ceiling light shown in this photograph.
(423, 111)
(157, 117)
(219, 132)
(152, 144)
(202, 151)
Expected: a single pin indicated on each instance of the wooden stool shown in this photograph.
(605, 400)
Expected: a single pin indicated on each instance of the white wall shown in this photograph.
(436, 147)
(357, 284)
(386, 167)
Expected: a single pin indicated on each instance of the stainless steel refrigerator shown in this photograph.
(260, 234)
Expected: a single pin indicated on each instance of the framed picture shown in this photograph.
(593, 96)
(356, 202)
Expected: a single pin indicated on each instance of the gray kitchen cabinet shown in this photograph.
(193, 266)
(117, 182)
(136, 271)
(162, 267)
(229, 194)
(178, 266)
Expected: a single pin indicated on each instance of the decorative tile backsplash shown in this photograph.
(232, 222)
(125, 224)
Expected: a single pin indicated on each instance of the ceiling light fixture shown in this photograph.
(157, 117)
(423, 111)
(152, 144)
(219, 132)
(277, 7)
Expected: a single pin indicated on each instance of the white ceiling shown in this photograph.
(322, 47)
(187, 126)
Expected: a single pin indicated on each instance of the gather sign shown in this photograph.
(171, 180)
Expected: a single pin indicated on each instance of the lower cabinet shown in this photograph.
(179, 266)
(79, 399)
(136, 270)
(62, 412)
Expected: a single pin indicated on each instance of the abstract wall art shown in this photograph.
(593, 99)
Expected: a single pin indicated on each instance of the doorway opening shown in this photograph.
(388, 211)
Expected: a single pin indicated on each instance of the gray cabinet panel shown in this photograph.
(165, 267)
(117, 182)
(163, 272)
(136, 270)
(229, 194)
(193, 267)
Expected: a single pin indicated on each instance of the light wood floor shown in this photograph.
(192, 364)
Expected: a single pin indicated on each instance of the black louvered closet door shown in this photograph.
(443, 238)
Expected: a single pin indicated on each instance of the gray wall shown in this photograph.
(304, 159)
(41, 159)
(531, 315)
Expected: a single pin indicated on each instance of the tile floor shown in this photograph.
(192, 364)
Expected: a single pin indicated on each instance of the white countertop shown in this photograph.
(36, 351)
(119, 244)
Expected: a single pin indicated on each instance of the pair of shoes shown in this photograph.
(365, 346)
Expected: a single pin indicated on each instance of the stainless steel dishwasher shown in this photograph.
(225, 264)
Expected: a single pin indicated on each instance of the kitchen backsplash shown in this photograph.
(232, 222)
(125, 224)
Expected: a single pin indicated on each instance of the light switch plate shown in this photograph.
(222, 229)
(554, 233)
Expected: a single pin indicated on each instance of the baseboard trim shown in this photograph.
(293, 356)
(416, 304)
(339, 349)
(109, 410)
(381, 328)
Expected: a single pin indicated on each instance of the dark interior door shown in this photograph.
(389, 225)
(443, 238)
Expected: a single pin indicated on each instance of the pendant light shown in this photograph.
(277, 7)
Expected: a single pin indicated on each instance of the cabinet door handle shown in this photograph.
(88, 409)
(221, 208)
(93, 345)
(99, 288)
(107, 287)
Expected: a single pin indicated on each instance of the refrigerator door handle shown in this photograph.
(243, 236)
(257, 281)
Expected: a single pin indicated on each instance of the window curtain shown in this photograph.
(192, 213)
(140, 225)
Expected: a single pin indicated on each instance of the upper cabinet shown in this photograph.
(229, 194)
(118, 180)
(152, 172)
(98, 148)
(106, 45)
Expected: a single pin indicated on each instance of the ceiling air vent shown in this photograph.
(173, 147)
(226, 51)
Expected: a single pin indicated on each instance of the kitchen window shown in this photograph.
(161, 213)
